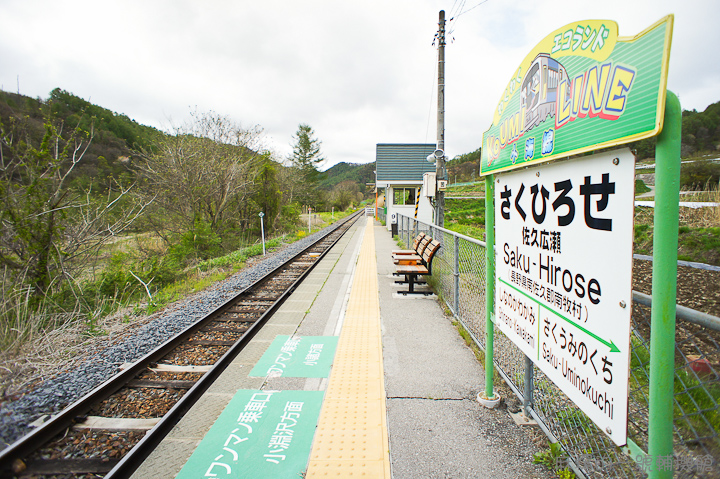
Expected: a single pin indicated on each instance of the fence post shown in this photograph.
(664, 289)
(409, 238)
(405, 231)
(489, 283)
(528, 402)
(457, 276)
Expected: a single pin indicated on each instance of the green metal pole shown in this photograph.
(664, 289)
(489, 282)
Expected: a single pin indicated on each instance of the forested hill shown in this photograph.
(115, 135)
(700, 134)
(356, 173)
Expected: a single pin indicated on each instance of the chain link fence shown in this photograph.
(381, 215)
(459, 273)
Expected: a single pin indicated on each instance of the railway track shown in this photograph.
(112, 429)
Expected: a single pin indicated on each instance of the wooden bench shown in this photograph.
(415, 245)
(422, 268)
(413, 256)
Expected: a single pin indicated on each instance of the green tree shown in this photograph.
(306, 158)
(48, 227)
(268, 196)
(345, 194)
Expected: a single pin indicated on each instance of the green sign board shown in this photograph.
(580, 89)
(259, 434)
(297, 357)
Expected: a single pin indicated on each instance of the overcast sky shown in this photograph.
(358, 72)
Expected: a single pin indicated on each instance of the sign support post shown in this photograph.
(664, 289)
(489, 283)
(262, 230)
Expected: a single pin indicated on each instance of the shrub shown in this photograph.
(195, 245)
(695, 175)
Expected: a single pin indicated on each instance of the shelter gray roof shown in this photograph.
(403, 161)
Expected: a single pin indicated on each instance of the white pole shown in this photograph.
(333, 214)
(262, 230)
(309, 218)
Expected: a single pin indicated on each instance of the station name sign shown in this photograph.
(580, 89)
(564, 235)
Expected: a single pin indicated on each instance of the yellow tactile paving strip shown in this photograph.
(351, 438)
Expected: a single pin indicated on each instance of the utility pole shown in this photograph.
(440, 164)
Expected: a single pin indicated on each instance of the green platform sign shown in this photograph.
(580, 89)
(259, 434)
(297, 357)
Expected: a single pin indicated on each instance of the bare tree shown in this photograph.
(48, 227)
(203, 169)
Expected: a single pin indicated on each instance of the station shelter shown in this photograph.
(399, 171)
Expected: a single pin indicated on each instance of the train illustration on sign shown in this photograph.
(538, 92)
(546, 91)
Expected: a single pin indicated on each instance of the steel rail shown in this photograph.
(48, 430)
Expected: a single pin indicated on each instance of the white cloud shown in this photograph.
(359, 73)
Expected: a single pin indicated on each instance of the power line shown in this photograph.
(471, 8)
(459, 8)
(455, 18)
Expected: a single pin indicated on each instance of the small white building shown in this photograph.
(399, 171)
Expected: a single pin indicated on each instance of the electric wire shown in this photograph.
(454, 19)
(454, 10)
(472, 8)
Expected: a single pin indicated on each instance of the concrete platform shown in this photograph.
(435, 427)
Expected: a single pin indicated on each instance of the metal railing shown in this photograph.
(459, 275)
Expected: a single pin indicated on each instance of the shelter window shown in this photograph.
(404, 196)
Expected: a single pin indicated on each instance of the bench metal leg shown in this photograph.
(412, 281)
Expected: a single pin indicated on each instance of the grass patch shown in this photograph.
(468, 230)
(695, 244)
(643, 239)
(554, 458)
(466, 217)
(475, 189)
(465, 212)
(210, 271)
(238, 258)
(640, 187)
(330, 217)
(699, 244)
(698, 233)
